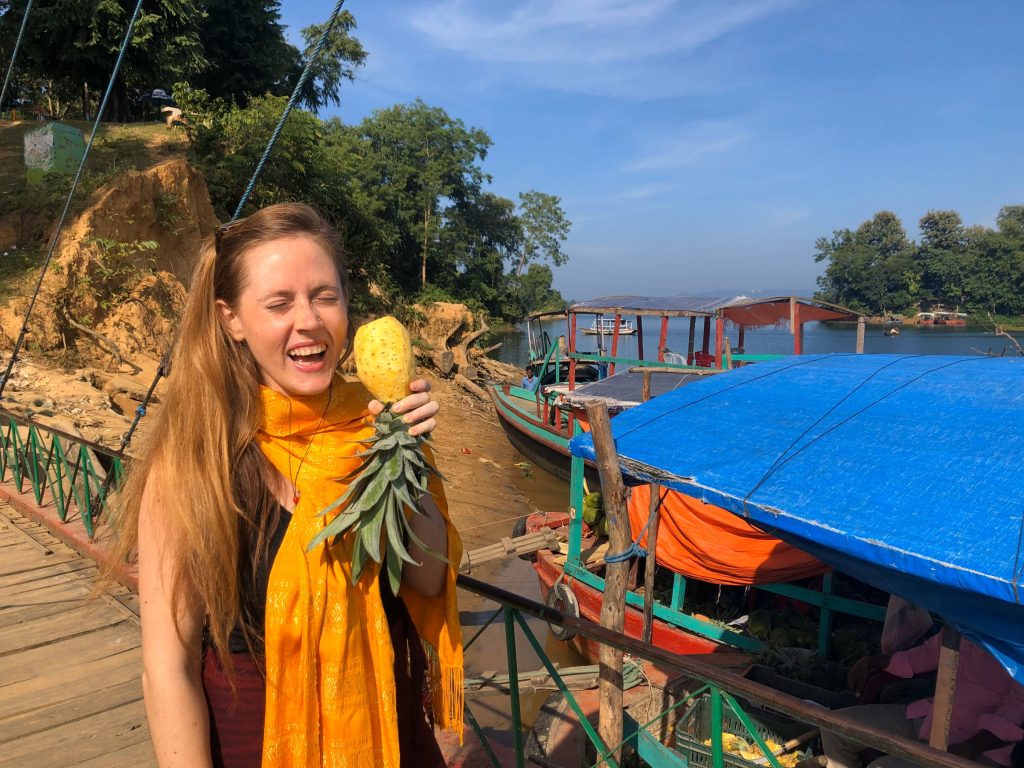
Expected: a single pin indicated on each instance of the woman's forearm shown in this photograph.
(428, 577)
(178, 718)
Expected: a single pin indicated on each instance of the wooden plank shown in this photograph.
(72, 566)
(58, 713)
(26, 560)
(46, 630)
(77, 742)
(46, 581)
(945, 685)
(79, 650)
(14, 615)
(70, 664)
(65, 682)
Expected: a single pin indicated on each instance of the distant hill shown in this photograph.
(756, 293)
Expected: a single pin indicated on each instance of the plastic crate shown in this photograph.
(694, 728)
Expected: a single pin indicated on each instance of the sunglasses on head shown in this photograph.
(219, 235)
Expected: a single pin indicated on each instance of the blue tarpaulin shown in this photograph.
(906, 472)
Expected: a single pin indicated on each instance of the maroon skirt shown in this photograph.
(236, 715)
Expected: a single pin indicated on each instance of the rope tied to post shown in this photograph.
(634, 549)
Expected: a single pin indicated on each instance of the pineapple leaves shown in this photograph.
(392, 477)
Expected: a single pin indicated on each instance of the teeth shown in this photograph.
(307, 351)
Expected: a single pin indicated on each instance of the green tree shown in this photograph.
(943, 258)
(250, 55)
(77, 41)
(545, 228)
(341, 56)
(422, 162)
(247, 50)
(535, 292)
(871, 269)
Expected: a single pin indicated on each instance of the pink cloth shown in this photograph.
(986, 697)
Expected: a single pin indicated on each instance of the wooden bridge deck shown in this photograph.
(70, 664)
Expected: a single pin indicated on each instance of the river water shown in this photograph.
(818, 338)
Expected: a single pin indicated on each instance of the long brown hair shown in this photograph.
(216, 489)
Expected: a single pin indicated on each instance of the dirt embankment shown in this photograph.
(116, 281)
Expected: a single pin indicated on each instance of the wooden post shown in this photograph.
(860, 335)
(689, 346)
(572, 350)
(614, 602)
(645, 390)
(945, 687)
(640, 336)
(798, 330)
(663, 339)
(650, 564)
(719, 343)
(728, 355)
(705, 347)
(615, 343)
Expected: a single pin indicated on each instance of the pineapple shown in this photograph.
(394, 471)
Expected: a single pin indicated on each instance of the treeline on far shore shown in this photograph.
(878, 270)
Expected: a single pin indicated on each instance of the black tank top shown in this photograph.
(252, 584)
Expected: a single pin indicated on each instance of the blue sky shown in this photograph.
(700, 146)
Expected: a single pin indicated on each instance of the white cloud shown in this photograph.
(646, 190)
(696, 143)
(596, 46)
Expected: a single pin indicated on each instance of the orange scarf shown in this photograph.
(329, 660)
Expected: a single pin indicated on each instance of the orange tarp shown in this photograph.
(708, 543)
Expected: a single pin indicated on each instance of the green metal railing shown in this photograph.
(721, 688)
(76, 474)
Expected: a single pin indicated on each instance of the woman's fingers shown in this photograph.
(418, 410)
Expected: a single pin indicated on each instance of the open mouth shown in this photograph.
(314, 353)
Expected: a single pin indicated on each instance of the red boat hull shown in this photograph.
(664, 635)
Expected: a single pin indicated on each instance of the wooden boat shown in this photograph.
(925, 318)
(607, 326)
(834, 492)
(944, 317)
(540, 423)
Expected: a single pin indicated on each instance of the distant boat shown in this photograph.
(605, 326)
(950, 318)
(540, 422)
(925, 318)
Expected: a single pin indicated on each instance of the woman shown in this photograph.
(255, 651)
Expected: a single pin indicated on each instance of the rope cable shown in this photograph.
(14, 55)
(71, 194)
(288, 109)
(634, 549)
(164, 368)
(783, 459)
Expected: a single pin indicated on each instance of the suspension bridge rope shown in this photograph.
(71, 194)
(14, 55)
(317, 49)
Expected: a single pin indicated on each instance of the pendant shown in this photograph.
(295, 498)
